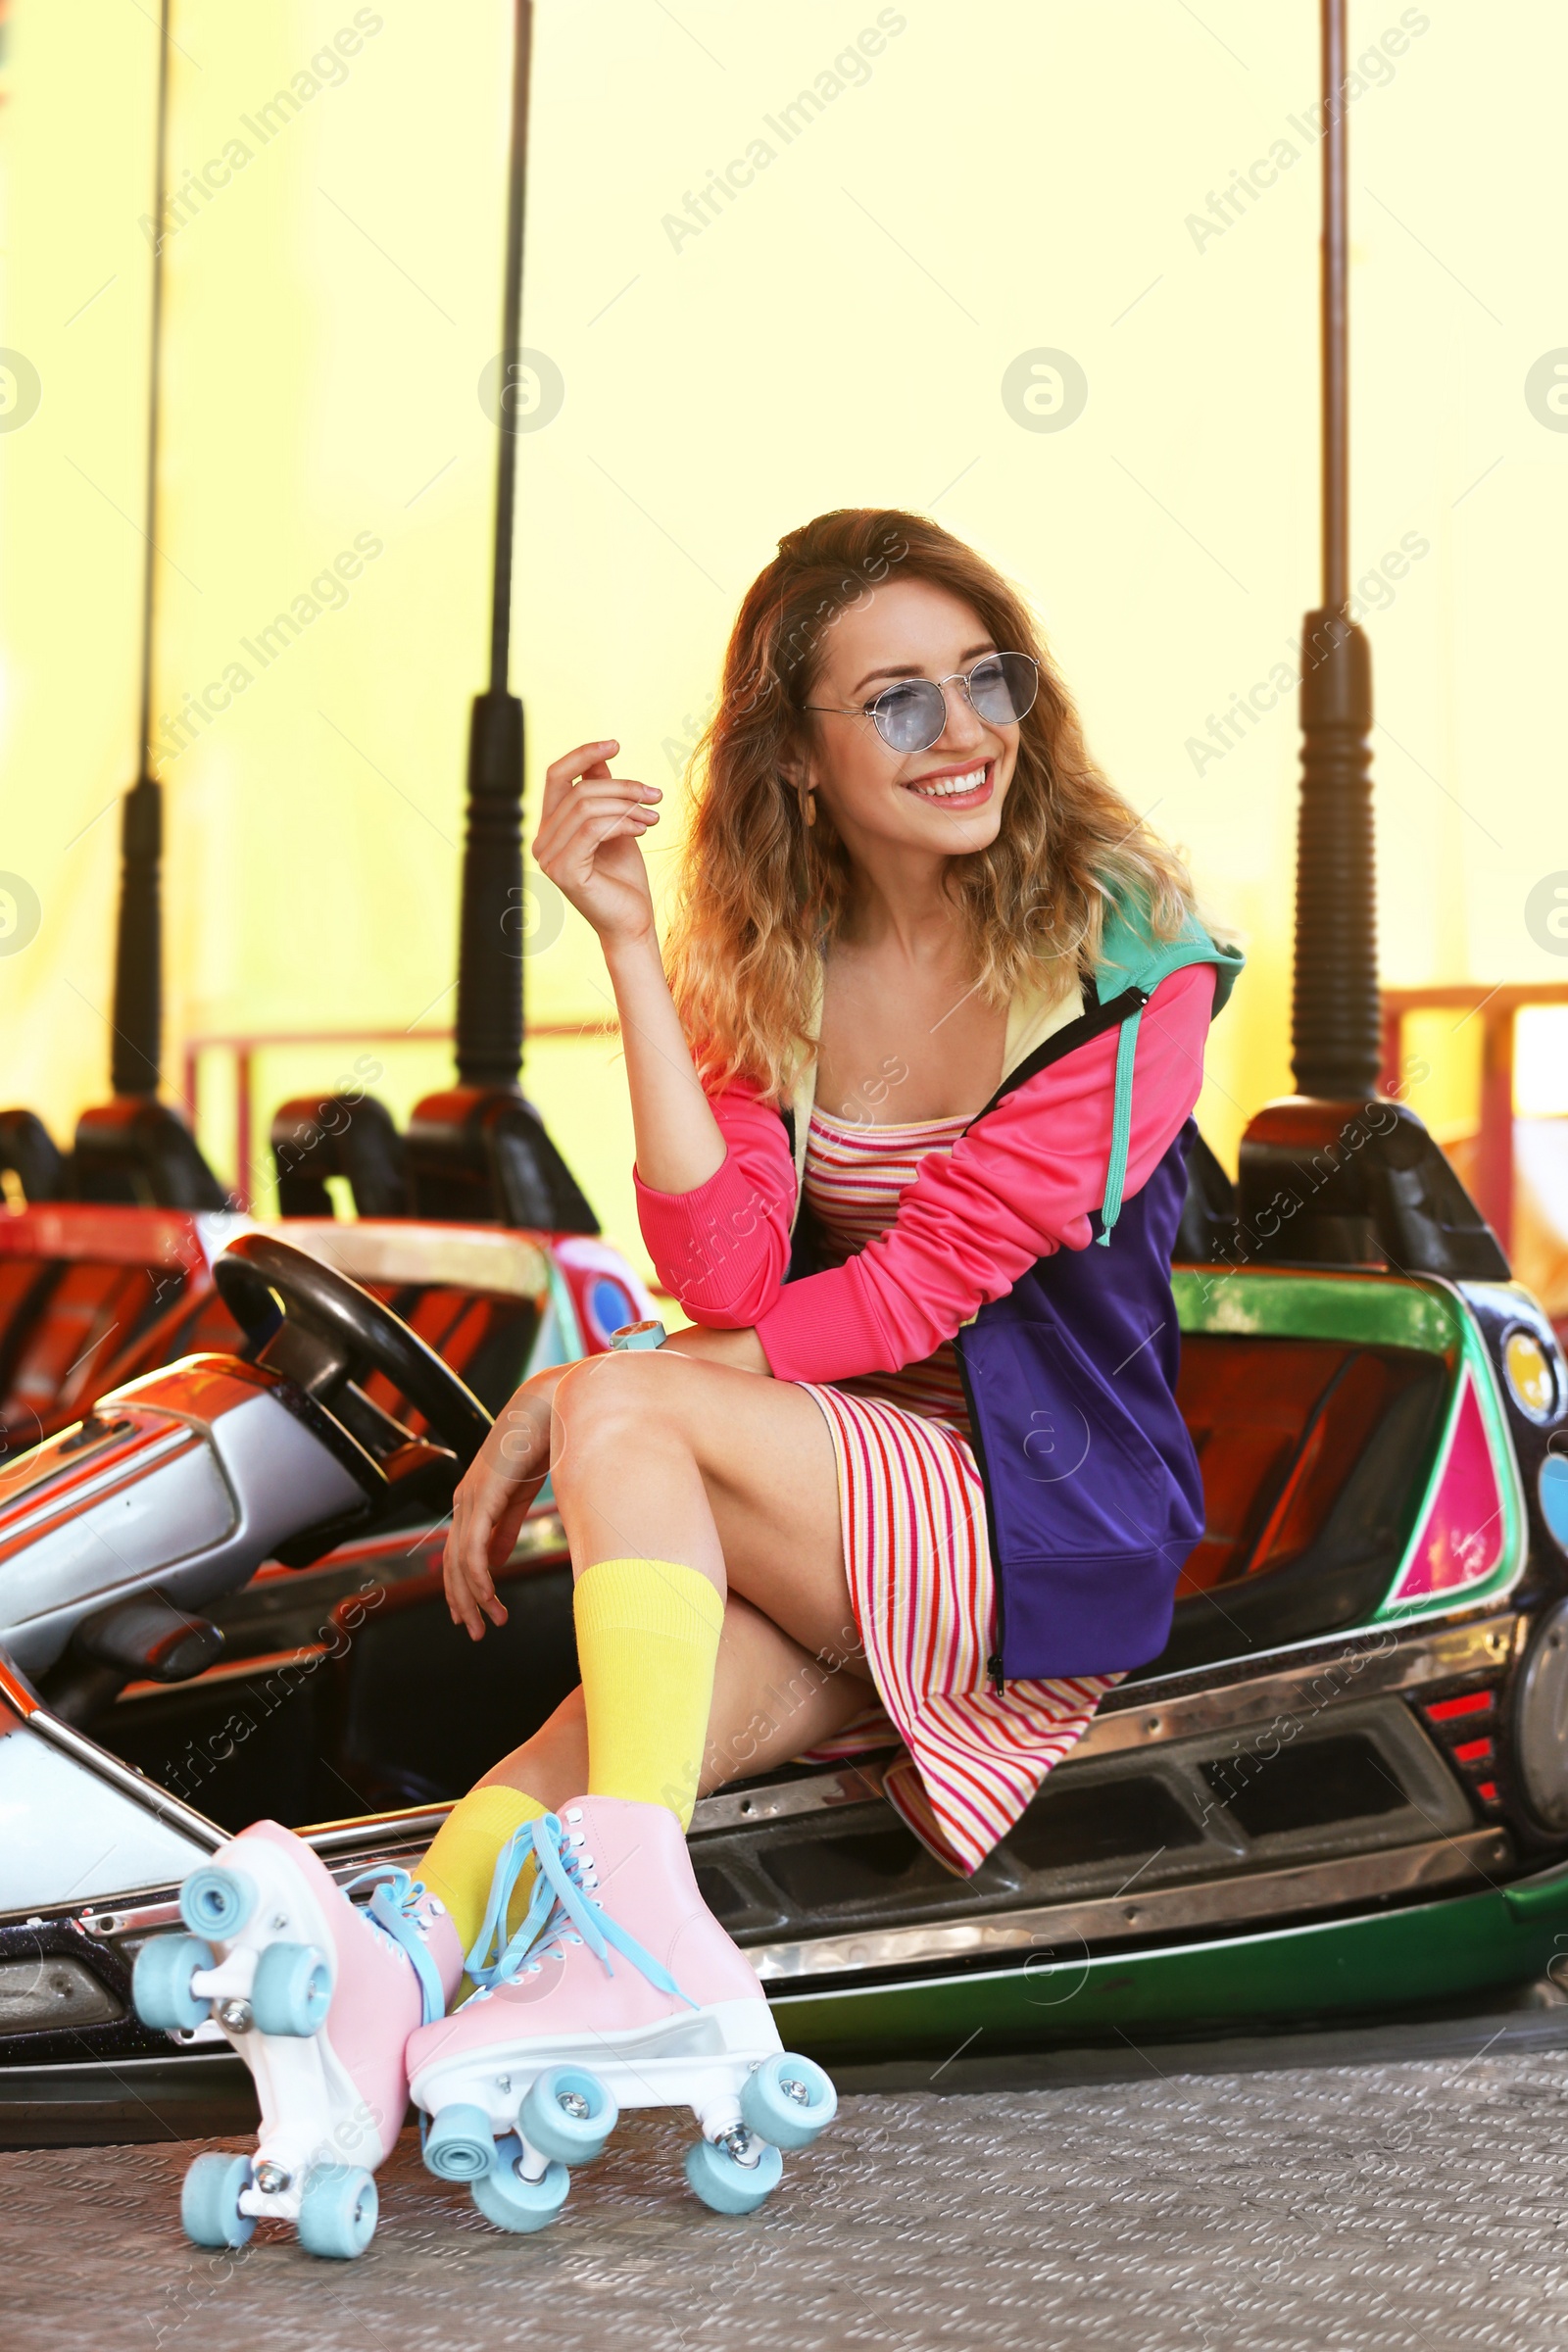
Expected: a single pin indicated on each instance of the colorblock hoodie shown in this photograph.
(1068, 1350)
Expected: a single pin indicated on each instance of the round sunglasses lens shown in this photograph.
(1003, 688)
(911, 717)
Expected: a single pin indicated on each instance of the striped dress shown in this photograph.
(916, 1550)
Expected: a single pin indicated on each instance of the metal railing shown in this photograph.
(1496, 1010)
(245, 1046)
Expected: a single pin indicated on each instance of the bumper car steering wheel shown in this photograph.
(327, 1335)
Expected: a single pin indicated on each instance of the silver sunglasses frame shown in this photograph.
(960, 676)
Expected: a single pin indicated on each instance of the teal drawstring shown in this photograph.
(391, 1907)
(1121, 1125)
(560, 1903)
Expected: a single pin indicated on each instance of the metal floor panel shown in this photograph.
(1411, 2206)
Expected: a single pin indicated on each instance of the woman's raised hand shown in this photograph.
(587, 841)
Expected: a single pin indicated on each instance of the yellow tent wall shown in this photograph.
(963, 185)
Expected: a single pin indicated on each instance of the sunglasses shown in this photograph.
(912, 715)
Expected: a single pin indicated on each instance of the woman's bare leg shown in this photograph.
(663, 1457)
(667, 1457)
(771, 1698)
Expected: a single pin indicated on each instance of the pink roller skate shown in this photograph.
(620, 1988)
(319, 1997)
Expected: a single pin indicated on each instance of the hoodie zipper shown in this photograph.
(1090, 1024)
(999, 1625)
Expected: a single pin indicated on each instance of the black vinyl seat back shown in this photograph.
(138, 1152)
(481, 1156)
(1206, 1234)
(29, 1153)
(353, 1136)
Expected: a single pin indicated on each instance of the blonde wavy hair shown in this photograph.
(763, 894)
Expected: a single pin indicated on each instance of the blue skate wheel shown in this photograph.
(209, 2201)
(568, 2115)
(214, 1901)
(788, 2101)
(510, 2202)
(292, 1990)
(338, 2207)
(160, 1988)
(714, 2174)
(460, 2144)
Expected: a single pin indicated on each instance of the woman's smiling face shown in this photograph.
(948, 799)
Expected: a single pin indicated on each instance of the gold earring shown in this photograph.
(810, 805)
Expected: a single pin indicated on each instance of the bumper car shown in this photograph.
(1342, 1790)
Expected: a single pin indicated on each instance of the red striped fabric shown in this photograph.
(916, 1554)
(851, 1181)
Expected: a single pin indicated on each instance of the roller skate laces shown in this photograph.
(565, 1910)
(398, 1911)
(574, 2016)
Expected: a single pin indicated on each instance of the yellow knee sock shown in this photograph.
(462, 1860)
(647, 1642)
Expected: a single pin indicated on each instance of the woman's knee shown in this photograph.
(607, 1408)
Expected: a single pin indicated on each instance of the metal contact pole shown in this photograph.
(1335, 1025)
(136, 1048)
(1336, 322)
(487, 1125)
(511, 339)
(490, 1010)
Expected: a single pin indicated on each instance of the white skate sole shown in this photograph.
(313, 2112)
(698, 2059)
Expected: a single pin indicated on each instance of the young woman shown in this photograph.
(906, 884)
(930, 1024)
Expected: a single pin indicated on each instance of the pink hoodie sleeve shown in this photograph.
(723, 1248)
(1016, 1188)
